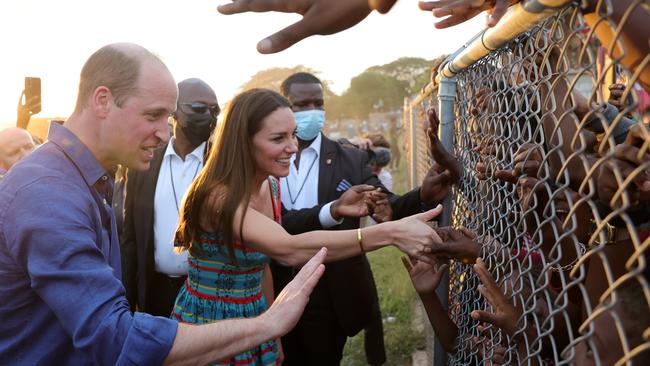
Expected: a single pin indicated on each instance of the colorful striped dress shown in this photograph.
(216, 289)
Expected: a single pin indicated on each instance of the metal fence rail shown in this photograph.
(556, 185)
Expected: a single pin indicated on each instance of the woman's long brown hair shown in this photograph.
(226, 180)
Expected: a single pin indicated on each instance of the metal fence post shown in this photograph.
(413, 151)
(446, 98)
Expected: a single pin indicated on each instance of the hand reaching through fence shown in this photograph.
(505, 315)
(379, 207)
(426, 277)
(459, 11)
(438, 152)
(459, 244)
(528, 160)
(480, 100)
(616, 92)
(600, 117)
(489, 153)
(318, 17)
(493, 354)
(627, 171)
(444, 173)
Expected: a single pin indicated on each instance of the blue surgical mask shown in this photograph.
(309, 123)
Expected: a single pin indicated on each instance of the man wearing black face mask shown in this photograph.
(152, 271)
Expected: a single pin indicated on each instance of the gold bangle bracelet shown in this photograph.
(360, 239)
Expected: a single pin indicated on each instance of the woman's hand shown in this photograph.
(413, 236)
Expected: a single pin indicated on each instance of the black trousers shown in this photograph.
(161, 294)
(317, 339)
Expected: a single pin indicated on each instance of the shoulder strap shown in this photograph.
(274, 183)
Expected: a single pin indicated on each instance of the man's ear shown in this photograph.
(101, 101)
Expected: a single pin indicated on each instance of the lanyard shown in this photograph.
(293, 200)
(171, 177)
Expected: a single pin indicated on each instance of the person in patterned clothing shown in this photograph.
(230, 221)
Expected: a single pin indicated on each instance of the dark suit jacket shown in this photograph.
(349, 282)
(137, 241)
(137, 237)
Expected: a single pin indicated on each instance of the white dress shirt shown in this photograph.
(300, 188)
(386, 179)
(165, 221)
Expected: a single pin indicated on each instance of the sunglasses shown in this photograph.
(200, 107)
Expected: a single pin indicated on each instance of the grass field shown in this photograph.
(396, 298)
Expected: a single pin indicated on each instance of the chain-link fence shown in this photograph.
(552, 132)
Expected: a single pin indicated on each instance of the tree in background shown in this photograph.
(372, 91)
(379, 88)
(413, 70)
(273, 77)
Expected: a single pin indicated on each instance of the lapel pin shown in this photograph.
(328, 161)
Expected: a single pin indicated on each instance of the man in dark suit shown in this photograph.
(345, 299)
(153, 272)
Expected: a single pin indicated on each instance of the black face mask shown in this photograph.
(198, 127)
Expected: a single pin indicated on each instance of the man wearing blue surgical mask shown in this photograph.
(345, 300)
(153, 272)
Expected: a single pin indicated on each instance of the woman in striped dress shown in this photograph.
(231, 215)
(216, 288)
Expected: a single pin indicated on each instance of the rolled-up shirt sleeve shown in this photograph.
(51, 234)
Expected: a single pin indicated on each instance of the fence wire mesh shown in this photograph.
(552, 133)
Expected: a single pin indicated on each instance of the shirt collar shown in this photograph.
(76, 151)
(197, 153)
(316, 144)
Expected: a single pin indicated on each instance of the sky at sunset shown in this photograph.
(52, 39)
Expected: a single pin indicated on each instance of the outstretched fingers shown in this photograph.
(489, 286)
(497, 12)
(382, 6)
(310, 273)
(260, 6)
(361, 188)
(285, 38)
(484, 316)
(429, 215)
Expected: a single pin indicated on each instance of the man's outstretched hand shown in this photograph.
(288, 306)
(332, 16)
(318, 17)
(459, 11)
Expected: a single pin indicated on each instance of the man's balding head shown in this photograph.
(126, 95)
(193, 85)
(15, 144)
(116, 66)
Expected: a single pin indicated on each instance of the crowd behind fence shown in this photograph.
(552, 133)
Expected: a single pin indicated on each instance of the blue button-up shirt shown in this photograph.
(61, 298)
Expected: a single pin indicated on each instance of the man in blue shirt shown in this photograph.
(62, 298)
